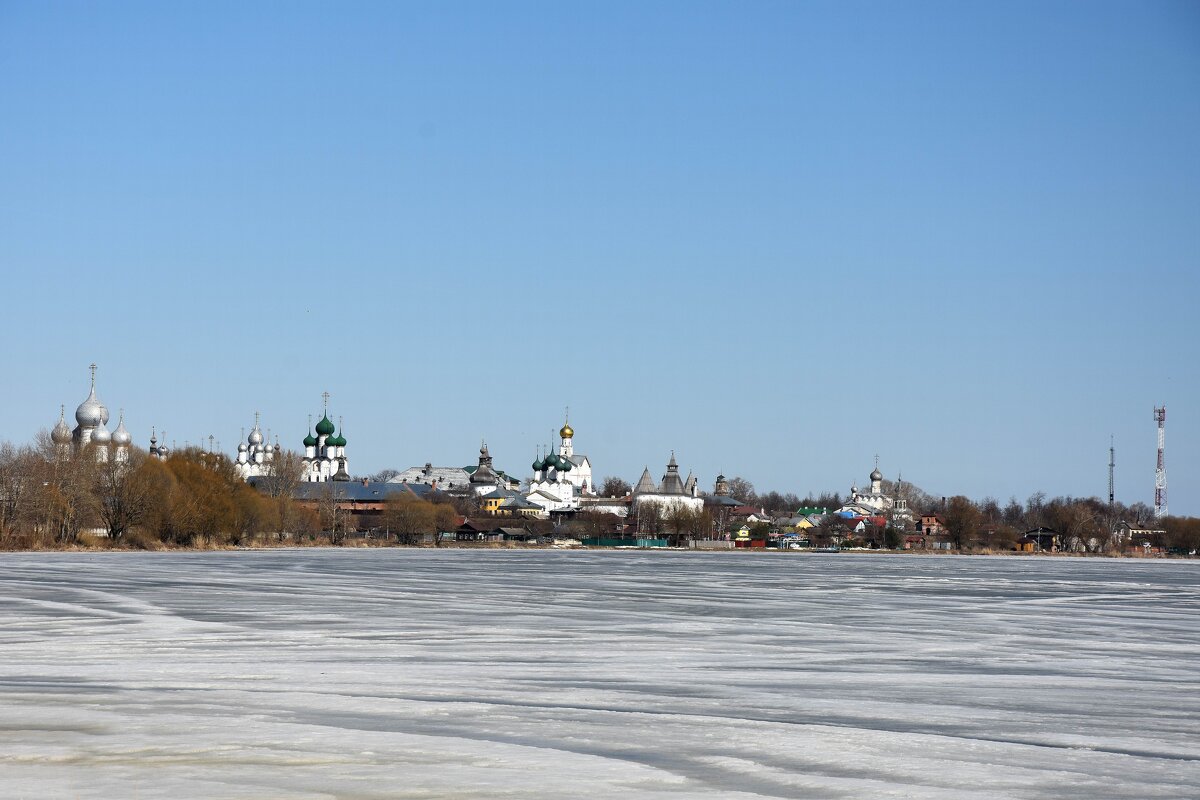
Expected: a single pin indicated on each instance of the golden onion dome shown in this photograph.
(566, 432)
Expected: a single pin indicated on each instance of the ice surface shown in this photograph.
(500, 674)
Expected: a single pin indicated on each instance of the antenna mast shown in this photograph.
(1112, 462)
(1160, 473)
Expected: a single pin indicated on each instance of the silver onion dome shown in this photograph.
(61, 433)
(91, 412)
(255, 437)
(101, 435)
(876, 475)
(121, 437)
(242, 447)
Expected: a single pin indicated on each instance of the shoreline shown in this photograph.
(117, 550)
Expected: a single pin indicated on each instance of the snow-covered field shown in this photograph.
(466, 674)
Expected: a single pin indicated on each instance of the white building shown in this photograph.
(671, 493)
(444, 479)
(481, 478)
(551, 486)
(578, 467)
(325, 453)
(875, 502)
(255, 454)
(91, 429)
(562, 479)
(484, 479)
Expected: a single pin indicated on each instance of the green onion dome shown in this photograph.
(336, 441)
(566, 465)
(310, 440)
(539, 465)
(325, 427)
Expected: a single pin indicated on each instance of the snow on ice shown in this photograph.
(642, 675)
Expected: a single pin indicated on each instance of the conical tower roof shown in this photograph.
(645, 484)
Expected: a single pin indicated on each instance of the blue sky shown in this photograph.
(778, 238)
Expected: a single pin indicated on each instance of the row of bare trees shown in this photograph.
(51, 497)
(413, 520)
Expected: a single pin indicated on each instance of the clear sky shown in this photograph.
(776, 237)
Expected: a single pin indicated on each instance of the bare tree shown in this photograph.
(962, 520)
(1014, 513)
(742, 489)
(648, 517)
(681, 521)
(282, 475)
(65, 502)
(17, 488)
(126, 491)
(410, 518)
(614, 487)
(445, 520)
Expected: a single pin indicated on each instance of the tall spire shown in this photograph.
(92, 367)
(325, 396)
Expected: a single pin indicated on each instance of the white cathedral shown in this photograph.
(256, 454)
(873, 501)
(91, 429)
(325, 453)
(561, 478)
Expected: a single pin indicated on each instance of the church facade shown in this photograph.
(325, 453)
(875, 502)
(256, 454)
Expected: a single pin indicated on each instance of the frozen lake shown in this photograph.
(499, 674)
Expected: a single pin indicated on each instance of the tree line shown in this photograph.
(52, 498)
(55, 498)
(1083, 524)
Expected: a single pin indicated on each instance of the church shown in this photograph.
(874, 501)
(561, 478)
(255, 455)
(91, 429)
(325, 453)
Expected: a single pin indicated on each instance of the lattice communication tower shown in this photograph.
(1160, 473)
(1112, 463)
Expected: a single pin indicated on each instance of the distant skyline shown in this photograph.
(778, 239)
